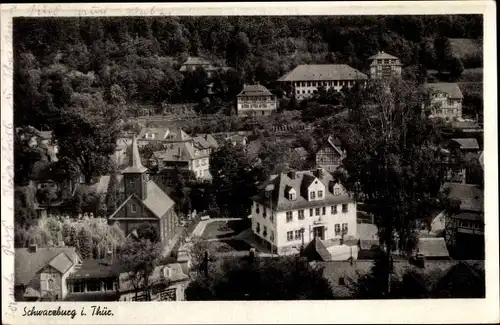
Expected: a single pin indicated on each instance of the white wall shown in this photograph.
(304, 89)
(281, 226)
(453, 109)
(260, 104)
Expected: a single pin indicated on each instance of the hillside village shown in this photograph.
(147, 174)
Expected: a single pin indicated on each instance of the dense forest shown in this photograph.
(136, 59)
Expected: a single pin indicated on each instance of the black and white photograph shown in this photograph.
(163, 158)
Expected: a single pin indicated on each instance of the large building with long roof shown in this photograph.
(305, 79)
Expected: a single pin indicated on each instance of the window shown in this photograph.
(341, 281)
(344, 208)
(317, 211)
(132, 182)
(298, 234)
(324, 211)
(133, 208)
(77, 286)
(320, 194)
(257, 210)
(334, 209)
(311, 212)
(257, 228)
(337, 229)
(301, 214)
(292, 196)
(312, 195)
(336, 191)
(271, 216)
(272, 236)
(289, 216)
(344, 228)
(93, 285)
(264, 233)
(289, 235)
(50, 284)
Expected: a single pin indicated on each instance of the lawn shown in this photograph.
(223, 229)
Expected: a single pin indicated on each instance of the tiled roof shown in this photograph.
(165, 134)
(467, 143)
(194, 61)
(301, 181)
(136, 166)
(158, 275)
(28, 263)
(433, 247)
(255, 90)
(469, 216)
(308, 72)
(92, 269)
(449, 88)
(179, 151)
(157, 201)
(382, 55)
(470, 195)
(209, 139)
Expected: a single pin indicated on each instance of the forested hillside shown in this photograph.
(137, 59)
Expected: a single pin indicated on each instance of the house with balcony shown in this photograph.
(384, 66)
(305, 79)
(183, 156)
(330, 154)
(255, 100)
(294, 207)
(445, 100)
(464, 226)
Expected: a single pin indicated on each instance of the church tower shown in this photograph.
(135, 176)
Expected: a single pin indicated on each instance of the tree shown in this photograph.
(284, 278)
(444, 53)
(139, 259)
(392, 162)
(456, 68)
(84, 246)
(113, 194)
(233, 178)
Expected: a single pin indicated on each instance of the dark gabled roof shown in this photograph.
(469, 216)
(449, 88)
(209, 139)
(323, 72)
(471, 196)
(279, 200)
(180, 151)
(27, 263)
(92, 269)
(164, 134)
(254, 90)
(157, 201)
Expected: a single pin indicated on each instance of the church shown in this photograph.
(145, 202)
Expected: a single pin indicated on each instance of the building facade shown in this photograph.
(330, 155)
(384, 66)
(295, 207)
(445, 100)
(255, 100)
(304, 80)
(145, 202)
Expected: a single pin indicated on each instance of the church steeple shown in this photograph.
(135, 175)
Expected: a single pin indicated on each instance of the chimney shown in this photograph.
(33, 248)
(319, 172)
(292, 174)
(179, 152)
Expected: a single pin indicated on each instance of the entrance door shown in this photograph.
(319, 232)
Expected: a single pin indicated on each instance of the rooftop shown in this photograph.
(136, 166)
(254, 90)
(326, 72)
(467, 143)
(382, 55)
(164, 134)
(280, 184)
(449, 88)
(471, 196)
(433, 247)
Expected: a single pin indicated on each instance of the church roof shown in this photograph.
(136, 166)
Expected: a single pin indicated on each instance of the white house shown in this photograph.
(295, 207)
(384, 66)
(445, 100)
(255, 100)
(305, 79)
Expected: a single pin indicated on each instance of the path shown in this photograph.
(200, 227)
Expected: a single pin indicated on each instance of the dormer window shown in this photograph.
(312, 195)
(336, 191)
(320, 194)
(133, 208)
(292, 195)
